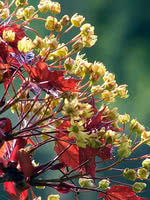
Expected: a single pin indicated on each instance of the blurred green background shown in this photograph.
(123, 29)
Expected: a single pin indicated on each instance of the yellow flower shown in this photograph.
(25, 45)
(9, 36)
(77, 20)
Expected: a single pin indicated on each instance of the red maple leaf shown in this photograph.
(45, 78)
(89, 154)
(120, 192)
(70, 157)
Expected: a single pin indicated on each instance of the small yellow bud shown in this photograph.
(136, 127)
(52, 43)
(38, 43)
(20, 13)
(9, 36)
(138, 186)
(123, 119)
(122, 91)
(146, 163)
(143, 173)
(25, 45)
(53, 197)
(108, 96)
(69, 64)
(21, 3)
(54, 7)
(108, 77)
(87, 30)
(96, 90)
(62, 51)
(129, 174)
(77, 20)
(99, 68)
(89, 41)
(145, 137)
(86, 182)
(4, 13)
(44, 6)
(28, 12)
(77, 46)
(51, 23)
(103, 184)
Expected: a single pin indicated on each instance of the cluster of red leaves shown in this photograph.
(41, 74)
(120, 192)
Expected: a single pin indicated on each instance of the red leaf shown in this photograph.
(70, 157)
(88, 154)
(51, 79)
(10, 189)
(14, 193)
(5, 124)
(61, 130)
(25, 163)
(105, 153)
(20, 143)
(120, 192)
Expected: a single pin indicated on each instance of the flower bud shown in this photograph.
(38, 43)
(62, 51)
(122, 91)
(138, 186)
(20, 13)
(136, 127)
(69, 64)
(77, 20)
(87, 30)
(54, 7)
(123, 119)
(25, 45)
(21, 3)
(96, 90)
(65, 20)
(58, 27)
(28, 12)
(129, 174)
(4, 13)
(85, 182)
(99, 68)
(77, 46)
(146, 163)
(44, 6)
(145, 137)
(9, 36)
(143, 173)
(103, 184)
(52, 43)
(53, 197)
(51, 23)
(108, 96)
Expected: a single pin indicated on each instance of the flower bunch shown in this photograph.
(61, 99)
